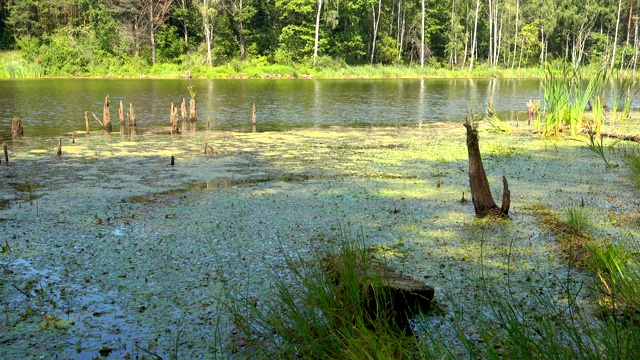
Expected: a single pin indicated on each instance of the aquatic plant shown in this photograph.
(314, 316)
(578, 218)
(598, 148)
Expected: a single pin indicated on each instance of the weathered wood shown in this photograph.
(183, 114)
(86, 121)
(121, 117)
(132, 116)
(106, 115)
(193, 115)
(175, 126)
(254, 120)
(16, 127)
(621, 136)
(483, 202)
(173, 159)
(405, 296)
(98, 120)
(5, 149)
(59, 147)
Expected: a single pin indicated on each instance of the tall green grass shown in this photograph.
(313, 317)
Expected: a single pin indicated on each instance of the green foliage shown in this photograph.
(578, 218)
(313, 315)
(598, 148)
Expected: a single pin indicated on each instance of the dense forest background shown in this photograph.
(80, 36)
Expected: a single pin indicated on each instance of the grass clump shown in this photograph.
(578, 218)
(313, 316)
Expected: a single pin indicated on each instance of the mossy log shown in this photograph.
(387, 293)
(480, 191)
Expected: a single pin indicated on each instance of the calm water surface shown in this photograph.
(57, 106)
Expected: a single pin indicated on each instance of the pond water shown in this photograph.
(57, 106)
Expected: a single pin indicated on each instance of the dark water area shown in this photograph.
(56, 106)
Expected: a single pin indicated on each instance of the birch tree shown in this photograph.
(208, 13)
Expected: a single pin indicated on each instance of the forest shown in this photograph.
(65, 37)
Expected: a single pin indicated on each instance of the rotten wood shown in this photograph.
(175, 126)
(193, 116)
(183, 114)
(406, 297)
(621, 136)
(121, 117)
(132, 116)
(106, 115)
(483, 202)
(16, 127)
(254, 120)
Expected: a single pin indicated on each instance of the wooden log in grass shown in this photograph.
(388, 294)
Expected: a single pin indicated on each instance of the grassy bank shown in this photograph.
(12, 65)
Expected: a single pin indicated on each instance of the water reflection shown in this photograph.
(57, 106)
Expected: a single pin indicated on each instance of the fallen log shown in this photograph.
(387, 293)
(621, 136)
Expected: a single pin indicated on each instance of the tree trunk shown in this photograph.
(515, 36)
(422, 38)
(152, 33)
(480, 191)
(376, 24)
(317, 37)
(106, 115)
(474, 45)
(615, 37)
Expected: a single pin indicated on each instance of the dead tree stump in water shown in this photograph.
(175, 126)
(16, 127)
(480, 191)
(106, 115)
(59, 152)
(254, 120)
(132, 116)
(121, 117)
(193, 116)
(6, 153)
(86, 121)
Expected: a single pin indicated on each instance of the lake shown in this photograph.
(57, 106)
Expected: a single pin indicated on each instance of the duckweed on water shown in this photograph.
(135, 255)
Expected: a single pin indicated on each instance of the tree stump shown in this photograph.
(175, 126)
(106, 115)
(254, 121)
(132, 116)
(183, 114)
(121, 117)
(16, 127)
(480, 191)
(193, 116)
(403, 298)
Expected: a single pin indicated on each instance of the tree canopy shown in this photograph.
(68, 36)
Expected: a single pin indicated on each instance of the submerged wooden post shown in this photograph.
(86, 121)
(16, 127)
(6, 153)
(121, 117)
(175, 129)
(59, 147)
(183, 114)
(172, 159)
(193, 116)
(132, 116)
(480, 191)
(106, 115)
(254, 120)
